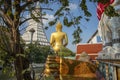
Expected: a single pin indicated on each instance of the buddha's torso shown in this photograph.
(58, 39)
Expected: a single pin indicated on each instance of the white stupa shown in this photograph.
(35, 30)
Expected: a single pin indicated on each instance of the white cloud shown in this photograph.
(49, 17)
(73, 6)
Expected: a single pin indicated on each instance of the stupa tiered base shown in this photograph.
(68, 69)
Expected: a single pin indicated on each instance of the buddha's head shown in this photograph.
(58, 26)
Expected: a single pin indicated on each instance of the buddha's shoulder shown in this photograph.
(64, 33)
(53, 33)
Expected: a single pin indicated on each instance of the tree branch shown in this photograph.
(31, 18)
(6, 18)
(28, 3)
(47, 9)
(5, 43)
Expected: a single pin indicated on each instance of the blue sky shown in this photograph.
(88, 28)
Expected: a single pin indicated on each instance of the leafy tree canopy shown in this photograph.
(13, 16)
(37, 53)
(65, 52)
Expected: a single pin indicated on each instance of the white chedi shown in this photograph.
(107, 53)
(109, 30)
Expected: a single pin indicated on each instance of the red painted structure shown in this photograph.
(91, 49)
(101, 7)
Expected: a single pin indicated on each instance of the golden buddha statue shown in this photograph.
(58, 39)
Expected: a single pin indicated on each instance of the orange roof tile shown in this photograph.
(89, 48)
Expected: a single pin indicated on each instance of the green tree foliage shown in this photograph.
(13, 17)
(76, 36)
(37, 53)
(65, 52)
(110, 11)
(84, 8)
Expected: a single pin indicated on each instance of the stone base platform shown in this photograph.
(68, 69)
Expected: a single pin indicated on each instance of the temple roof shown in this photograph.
(89, 48)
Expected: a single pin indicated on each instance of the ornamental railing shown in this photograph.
(109, 68)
